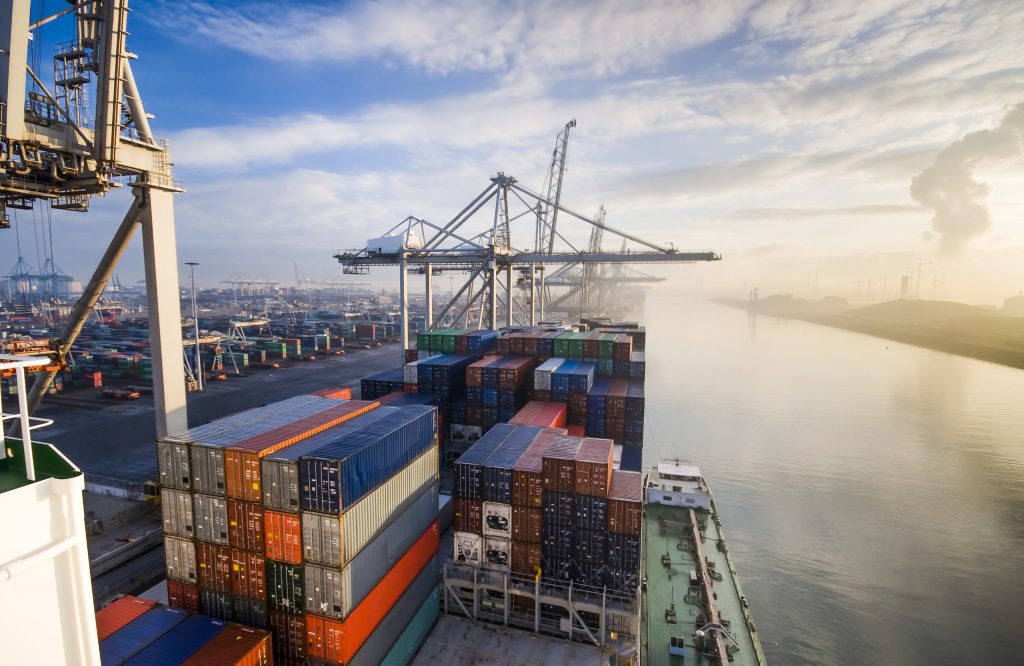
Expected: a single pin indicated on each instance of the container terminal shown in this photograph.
(482, 494)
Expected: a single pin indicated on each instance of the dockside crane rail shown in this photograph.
(86, 135)
(489, 255)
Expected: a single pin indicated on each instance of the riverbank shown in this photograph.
(953, 328)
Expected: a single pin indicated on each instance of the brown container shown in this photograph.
(248, 575)
(214, 563)
(236, 645)
(594, 466)
(527, 479)
(283, 537)
(289, 637)
(475, 370)
(559, 464)
(615, 402)
(625, 506)
(469, 515)
(527, 413)
(242, 460)
(526, 524)
(591, 345)
(526, 557)
(540, 396)
(183, 595)
(622, 348)
(120, 613)
(245, 525)
(512, 372)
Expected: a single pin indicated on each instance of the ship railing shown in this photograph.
(26, 423)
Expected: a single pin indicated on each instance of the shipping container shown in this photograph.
(557, 541)
(542, 374)
(211, 516)
(248, 574)
(625, 510)
(529, 412)
(286, 587)
(180, 556)
(558, 507)
(119, 613)
(412, 637)
(552, 415)
(183, 595)
(176, 507)
(527, 475)
(468, 469)
(632, 458)
(526, 557)
(180, 643)
(331, 540)
(497, 553)
(250, 612)
(591, 513)
(216, 604)
(468, 547)
(497, 519)
(559, 464)
(623, 552)
(245, 525)
(469, 515)
(497, 470)
(337, 641)
(282, 536)
(343, 393)
(208, 470)
(214, 567)
(591, 546)
(173, 463)
(339, 475)
(594, 467)
(235, 645)
(133, 637)
(289, 632)
(526, 524)
(280, 481)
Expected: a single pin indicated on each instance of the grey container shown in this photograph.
(176, 507)
(279, 471)
(335, 593)
(208, 474)
(173, 462)
(180, 555)
(211, 515)
(331, 540)
(377, 647)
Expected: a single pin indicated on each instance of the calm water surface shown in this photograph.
(872, 492)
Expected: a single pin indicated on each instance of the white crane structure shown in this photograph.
(84, 135)
(489, 254)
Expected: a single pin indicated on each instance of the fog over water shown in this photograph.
(872, 493)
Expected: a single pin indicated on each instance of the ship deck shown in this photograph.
(667, 532)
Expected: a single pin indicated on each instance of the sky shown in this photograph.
(819, 147)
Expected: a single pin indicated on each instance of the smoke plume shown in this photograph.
(948, 186)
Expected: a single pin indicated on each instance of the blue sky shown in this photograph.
(784, 134)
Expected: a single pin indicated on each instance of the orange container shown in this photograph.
(235, 646)
(242, 460)
(344, 393)
(337, 641)
(248, 575)
(120, 613)
(183, 595)
(283, 536)
(214, 564)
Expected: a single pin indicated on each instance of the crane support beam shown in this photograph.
(523, 260)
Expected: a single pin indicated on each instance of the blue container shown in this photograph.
(632, 458)
(511, 398)
(605, 367)
(409, 399)
(591, 512)
(135, 636)
(618, 579)
(582, 377)
(557, 541)
(558, 508)
(180, 643)
(506, 414)
(480, 342)
(338, 475)
(468, 469)
(590, 573)
(597, 397)
(623, 552)
(374, 386)
(497, 471)
(490, 397)
(561, 382)
(475, 395)
(590, 546)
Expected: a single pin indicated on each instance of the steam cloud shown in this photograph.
(948, 186)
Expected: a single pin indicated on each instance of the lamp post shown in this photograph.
(195, 319)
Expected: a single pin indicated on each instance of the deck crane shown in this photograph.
(86, 135)
(485, 254)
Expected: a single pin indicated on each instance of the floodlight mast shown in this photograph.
(49, 152)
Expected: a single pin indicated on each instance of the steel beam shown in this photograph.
(429, 298)
(14, 33)
(403, 298)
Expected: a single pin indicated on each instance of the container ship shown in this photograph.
(487, 498)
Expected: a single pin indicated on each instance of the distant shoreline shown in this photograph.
(971, 345)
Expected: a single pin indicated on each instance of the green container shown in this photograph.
(576, 345)
(606, 345)
(285, 590)
(562, 345)
(423, 340)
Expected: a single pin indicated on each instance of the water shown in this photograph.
(872, 493)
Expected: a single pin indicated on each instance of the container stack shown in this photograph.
(137, 631)
(311, 517)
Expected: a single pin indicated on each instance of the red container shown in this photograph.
(235, 646)
(625, 507)
(525, 415)
(97, 379)
(527, 477)
(289, 637)
(591, 345)
(551, 416)
(242, 460)
(245, 525)
(594, 466)
(526, 557)
(119, 614)
(183, 595)
(469, 515)
(248, 575)
(615, 427)
(283, 536)
(559, 464)
(214, 563)
(615, 403)
(576, 431)
(411, 355)
(337, 641)
(526, 524)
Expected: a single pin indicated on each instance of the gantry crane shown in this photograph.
(59, 149)
(489, 252)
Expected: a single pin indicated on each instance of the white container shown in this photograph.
(542, 374)
(497, 518)
(394, 244)
(180, 555)
(211, 517)
(468, 548)
(176, 506)
(465, 434)
(497, 553)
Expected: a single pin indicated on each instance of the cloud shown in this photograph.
(949, 188)
(758, 214)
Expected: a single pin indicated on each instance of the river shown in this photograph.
(872, 493)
